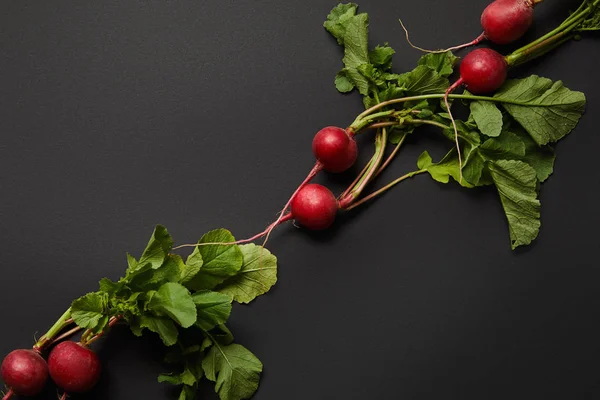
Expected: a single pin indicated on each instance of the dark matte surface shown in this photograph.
(117, 115)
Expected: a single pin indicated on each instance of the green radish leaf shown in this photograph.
(547, 110)
(356, 52)
(132, 263)
(187, 393)
(488, 117)
(184, 378)
(355, 41)
(515, 144)
(396, 134)
(187, 271)
(343, 83)
(219, 262)
(151, 279)
(507, 146)
(158, 247)
(174, 300)
(88, 311)
(256, 277)
(163, 326)
(351, 31)
(235, 370)
(540, 158)
(422, 80)
(381, 56)
(213, 308)
(442, 63)
(517, 186)
(223, 335)
(109, 287)
(338, 19)
(206, 343)
(466, 132)
(444, 169)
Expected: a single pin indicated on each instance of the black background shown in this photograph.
(118, 115)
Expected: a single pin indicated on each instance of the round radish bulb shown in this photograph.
(505, 21)
(335, 149)
(314, 207)
(73, 367)
(483, 71)
(25, 372)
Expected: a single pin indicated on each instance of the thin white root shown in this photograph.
(455, 139)
(462, 46)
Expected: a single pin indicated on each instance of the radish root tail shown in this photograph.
(450, 90)
(282, 216)
(313, 172)
(477, 40)
(8, 395)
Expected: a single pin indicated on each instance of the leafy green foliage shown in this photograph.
(488, 117)
(368, 71)
(444, 169)
(511, 161)
(163, 294)
(503, 148)
(234, 369)
(338, 19)
(517, 185)
(173, 300)
(163, 326)
(502, 143)
(90, 311)
(158, 247)
(257, 275)
(547, 110)
(441, 63)
(213, 308)
(219, 262)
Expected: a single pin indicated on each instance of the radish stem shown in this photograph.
(384, 189)
(8, 395)
(391, 156)
(111, 323)
(365, 178)
(65, 335)
(64, 321)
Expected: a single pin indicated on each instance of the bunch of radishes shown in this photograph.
(75, 368)
(481, 71)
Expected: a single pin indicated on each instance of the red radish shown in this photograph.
(314, 207)
(74, 367)
(335, 149)
(25, 372)
(483, 71)
(505, 21)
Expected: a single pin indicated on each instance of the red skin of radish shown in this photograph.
(335, 149)
(73, 367)
(483, 71)
(505, 21)
(314, 207)
(25, 372)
